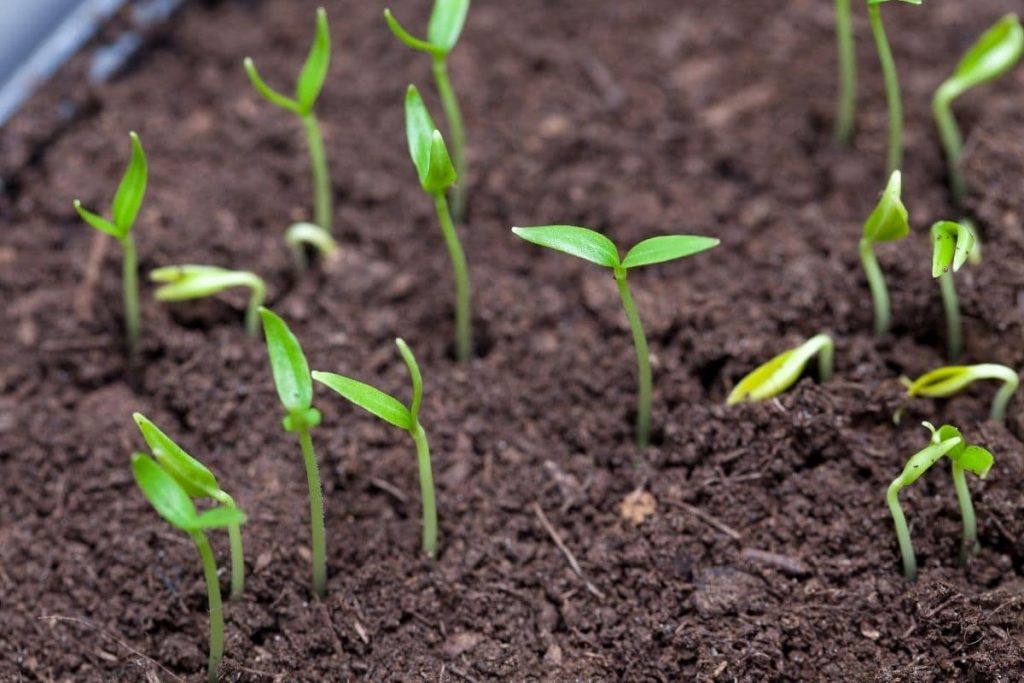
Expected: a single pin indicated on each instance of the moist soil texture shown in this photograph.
(748, 543)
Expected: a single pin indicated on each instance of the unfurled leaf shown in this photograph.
(191, 475)
(314, 71)
(287, 363)
(446, 22)
(889, 220)
(975, 459)
(165, 494)
(132, 189)
(368, 398)
(952, 244)
(582, 243)
(666, 248)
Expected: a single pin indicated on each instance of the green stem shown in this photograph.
(252, 312)
(963, 496)
(1002, 398)
(216, 608)
(316, 514)
(130, 280)
(643, 363)
(426, 490)
(876, 282)
(952, 143)
(321, 177)
(846, 106)
(453, 115)
(954, 328)
(892, 88)
(463, 330)
(902, 532)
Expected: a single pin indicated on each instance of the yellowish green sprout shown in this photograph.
(892, 83)
(946, 381)
(298, 236)
(887, 223)
(952, 246)
(185, 282)
(782, 371)
(124, 211)
(391, 410)
(846, 106)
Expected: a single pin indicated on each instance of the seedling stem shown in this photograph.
(453, 115)
(892, 86)
(847, 102)
(643, 361)
(954, 327)
(463, 330)
(216, 606)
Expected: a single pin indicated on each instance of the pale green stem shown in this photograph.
(453, 115)
(130, 281)
(321, 177)
(1003, 397)
(463, 329)
(954, 329)
(952, 143)
(216, 608)
(876, 282)
(237, 556)
(902, 532)
(963, 496)
(426, 490)
(643, 363)
(252, 313)
(316, 514)
(826, 360)
(892, 89)
(847, 102)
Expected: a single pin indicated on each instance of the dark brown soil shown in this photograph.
(770, 554)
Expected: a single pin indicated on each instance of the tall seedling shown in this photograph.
(892, 83)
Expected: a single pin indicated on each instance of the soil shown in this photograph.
(759, 547)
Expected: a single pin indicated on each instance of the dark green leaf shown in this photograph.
(314, 71)
(98, 222)
(368, 398)
(164, 493)
(191, 475)
(889, 220)
(287, 363)
(446, 22)
(666, 248)
(132, 189)
(583, 243)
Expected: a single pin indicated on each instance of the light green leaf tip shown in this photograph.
(287, 363)
(952, 244)
(128, 200)
(583, 243)
(446, 23)
(426, 146)
(889, 221)
(192, 475)
(995, 53)
(666, 248)
(781, 372)
(314, 71)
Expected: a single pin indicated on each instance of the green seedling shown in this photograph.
(892, 83)
(953, 244)
(172, 502)
(124, 211)
(299, 236)
(993, 55)
(295, 389)
(307, 90)
(946, 381)
(198, 482)
(392, 411)
(781, 372)
(185, 282)
(947, 441)
(846, 106)
(887, 223)
(446, 22)
(436, 174)
(594, 247)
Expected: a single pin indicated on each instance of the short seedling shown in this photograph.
(594, 247)
(846, 107)
(185, 282)
(953, 244)
(781, 372)
(307, 90)
(198, 482)
(946, 441)
(993, 55)
(300, 235)
(443, 31)
(946, 381)
(436, 174)
(295, 389)
(887, 223)
(391, 410)
(124, 211)
(172, 502)
(892, 83)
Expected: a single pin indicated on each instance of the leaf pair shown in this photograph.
(995, 53)
(889, 221)
(952, 245)
(446, 22)
(172, 501)
(311, 78)
(426, 146)
(193, 476)
(782, 371)
(971, 458)
(128, 199)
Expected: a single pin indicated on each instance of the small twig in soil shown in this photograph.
(705, 517)
(390, 489)
(86, 296)
(459, 673)
(786, 564)
(109, 636)
(565, 551)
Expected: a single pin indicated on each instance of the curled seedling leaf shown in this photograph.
(952, 245)
(888, 222)
(782, 371)
(947, 381)
(299, 236)
(185, 282)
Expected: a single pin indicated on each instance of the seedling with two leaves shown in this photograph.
(782, 371)
(594, 247)
(892, 83)
(887, 223)
(946, 381)
(952, 246)
(185, 282)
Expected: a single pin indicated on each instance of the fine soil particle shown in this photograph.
(764, 550)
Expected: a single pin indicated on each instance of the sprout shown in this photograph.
(887, 223)
(185, 282)
(953, 243)
(993, 55)
(892, 84)
(307, 90)
(446, 22)
(173, 504)
(596, 248)
(946, 381)
(299, 235)
(124, 211)
(436, 173)
(295, 389)
(946, 441)
(198, 482)
(391, 410)
(781, 372)
(846, 106)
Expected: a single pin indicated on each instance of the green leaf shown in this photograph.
(975, 459)
(219, 518)
(409, 39)
(368, 398)
(947, 432)
(314, 71)
(441, 172)
(287, 363)
(941, 382)
(782, 371)
(579, 242)
(446, 22)
(426, 146)
(995, 53)
(164, 493)
(952, 244)
(193, 282)
(889, 220)
(128, 200)
(269, 93)
(191, 475)
(666, 248)
(417, 378)
(98, 222)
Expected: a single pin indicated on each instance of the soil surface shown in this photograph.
(748, 543)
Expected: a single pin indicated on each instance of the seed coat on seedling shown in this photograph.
(888, 222)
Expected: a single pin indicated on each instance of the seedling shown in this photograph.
(953, 243)
(993, 55)
(892, 83)
(295, 389)
(946, 381)
(198, 482)
(947, 441)
(846, 107)
(307, 90)
(781, 372)
(887, 223)
(446, 22)
(436, 173)
(391, 410)
(185, 282)
(298, 236)
(173, 504)
(594, 247)
(124, 211)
